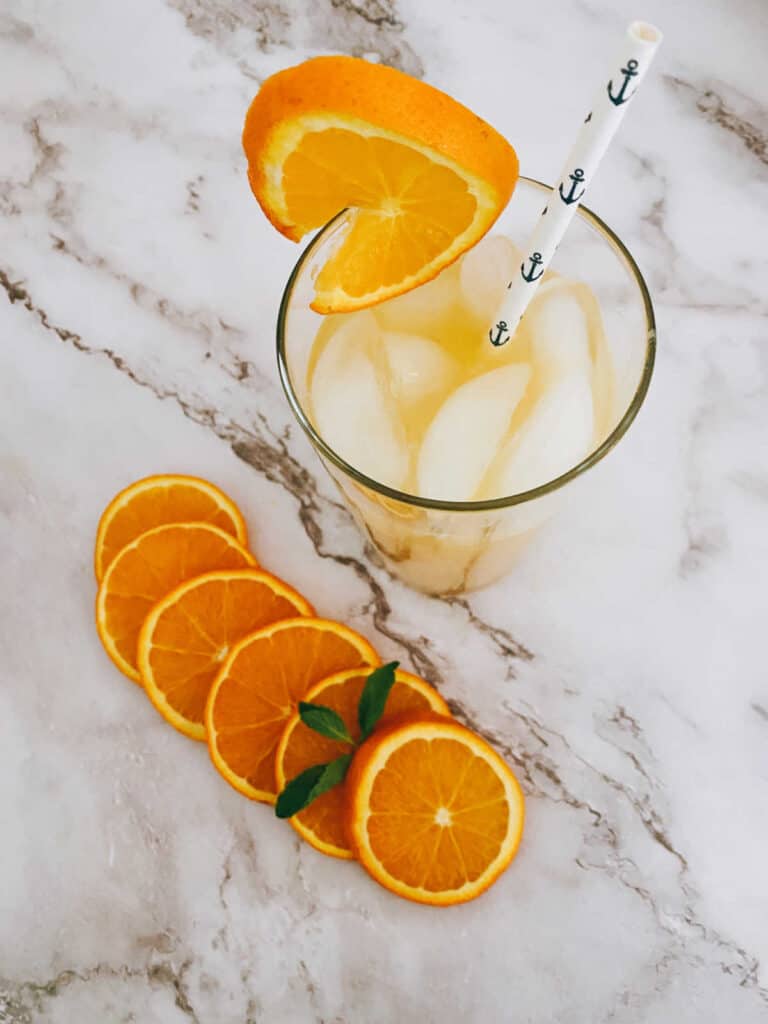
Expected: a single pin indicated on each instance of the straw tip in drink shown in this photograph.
(644, 32)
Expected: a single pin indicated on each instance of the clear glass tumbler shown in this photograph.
(444, 547)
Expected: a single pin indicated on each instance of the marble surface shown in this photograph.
(621, 670)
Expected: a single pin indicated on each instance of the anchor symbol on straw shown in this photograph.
(531, 275)
(501, 328)
(629, 72)
(576, 179)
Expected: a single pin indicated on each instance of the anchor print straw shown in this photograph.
(637, 51)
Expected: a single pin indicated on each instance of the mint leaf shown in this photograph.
(296, 792)
(325, 721)
(374, 697)
(333, 773)
(310, 784)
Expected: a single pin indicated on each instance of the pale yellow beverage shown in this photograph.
(451, 451)
(414, 395)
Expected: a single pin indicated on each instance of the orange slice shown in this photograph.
(433, 813)
(188, 635)
(322, 823)
(146, 570)
(259, 687)
(426, 177)
(157, 500)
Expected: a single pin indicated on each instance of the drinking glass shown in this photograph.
(448, 547)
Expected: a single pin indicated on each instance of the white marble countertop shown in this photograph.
(621, 669)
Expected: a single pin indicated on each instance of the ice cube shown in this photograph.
(485, 272)
(556, 435)
(418, 367)
(352, 409)
(423, 310)
(603, 374)
(559, 335)
(464, 437)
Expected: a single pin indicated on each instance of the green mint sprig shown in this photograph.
(313, 782)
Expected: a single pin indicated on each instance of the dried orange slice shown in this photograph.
(426, 177)
(190, 633)
(433, 813)
(322, 823)
(259, 687)
(146, 570)
(157, 500)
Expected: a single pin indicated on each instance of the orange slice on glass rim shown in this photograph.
(188, 636)
(322, 823)
(259, 688)
(424, 177)
(157, 500)
(149, 568)
(433, 813)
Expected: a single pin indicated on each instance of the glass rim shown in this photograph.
(489, 504)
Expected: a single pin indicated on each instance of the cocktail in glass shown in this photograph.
(450, 449)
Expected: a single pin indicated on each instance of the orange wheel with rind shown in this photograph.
(433, 813)
(424, 178)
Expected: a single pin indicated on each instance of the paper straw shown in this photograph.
(608, 109)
